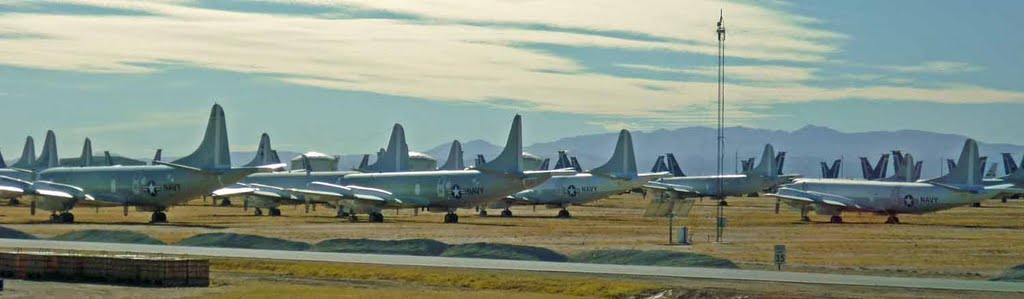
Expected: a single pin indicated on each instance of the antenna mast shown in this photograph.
(720, 223)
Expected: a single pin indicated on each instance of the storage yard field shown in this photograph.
(962, 243)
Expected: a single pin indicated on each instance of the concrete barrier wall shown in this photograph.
(116, 269)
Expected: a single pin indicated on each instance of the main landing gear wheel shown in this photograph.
(836, 219)
(451, 218)
(723, 203)
(376, 217)
(14, 201)
(274, 212)
(803, 216)
(158, 217)
(483, 213)
(563, 213)
(225, 202)
(67, 217)
(257, 212)
(976, 205)
(342, 214)
(892, 220)
(506, 213)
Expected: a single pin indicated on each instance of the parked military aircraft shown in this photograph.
(760, 178)
(878, 171)
(617, 175)
(150, 188)
(442, 190)
(962, 186)
(833, 171)
(454, 161)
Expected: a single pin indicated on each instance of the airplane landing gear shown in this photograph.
(274, 212)
(451, 217)
(563, 213)
(892, 220)
(483, 213)
(723, 203)
(225, 202)
(14, 201)
(506, 213)
(803, 216)
(836, 219)
(158, 217)
(976, 205)
(257, 212)
(376, 217)
(342, 214)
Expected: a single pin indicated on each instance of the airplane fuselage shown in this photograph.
(153, 187)
(576, 189)
(892, 197)
(436, 189)
(732, 185)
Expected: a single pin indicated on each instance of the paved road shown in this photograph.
(472, 263)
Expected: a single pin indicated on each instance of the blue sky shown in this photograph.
(333, 76)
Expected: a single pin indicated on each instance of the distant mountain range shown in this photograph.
(694, 148)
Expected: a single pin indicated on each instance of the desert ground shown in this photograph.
(962, 243)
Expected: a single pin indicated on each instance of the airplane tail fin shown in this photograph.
(49, 157)
(479, 161)
(454, 161)
(623, 161)
(158, 155)
(563, 160)
(213, 152)
(966, 171)
(992, 170)
(1009, 165)
(882, 169)
(576, 164)
(544, 165)
(780, 160)
(395, 157)
(108, 158)
(917, 171)
(767, 165)
(2, 163)
(364, 162)
(264, 154)
(673, 165)
(28, 155)
(511, 158)
(659, 165)
(86, 159)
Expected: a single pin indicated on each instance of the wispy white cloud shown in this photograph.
(461, 61)
(754, 73)
(934, 67)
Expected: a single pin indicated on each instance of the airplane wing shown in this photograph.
(819, 198)
(273, 193)
(12, 187)
(678, 191)
(65, 192)
(333, 192)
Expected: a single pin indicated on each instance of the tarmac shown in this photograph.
(491, 264)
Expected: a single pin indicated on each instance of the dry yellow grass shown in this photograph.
(963, 242)
(265, 289)
(508, 281)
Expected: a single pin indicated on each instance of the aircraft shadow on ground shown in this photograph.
(171, 224)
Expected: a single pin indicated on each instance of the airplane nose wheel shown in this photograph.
(274, 212)
(483, 213)
(376, 217)
(892, 220)
(563, 214)
(158, 217)
(506, 213)
(451, 218)
(836, 219)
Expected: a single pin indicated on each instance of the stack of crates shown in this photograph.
(116, 269)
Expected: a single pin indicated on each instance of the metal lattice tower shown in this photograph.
(720, 219)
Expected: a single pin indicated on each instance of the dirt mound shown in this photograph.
(422, 247)
(109, 236)
(504, 252)
(651, 258)
(232, 240)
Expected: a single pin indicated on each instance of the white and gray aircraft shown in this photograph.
(616, 176)
(441, 191)
(961, 186)
(149, 188)
(764, 176)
